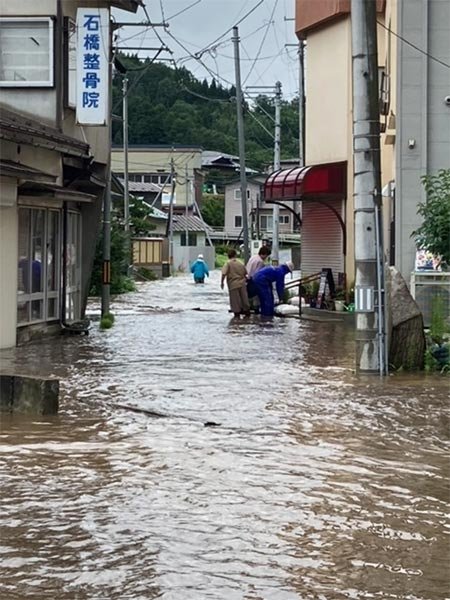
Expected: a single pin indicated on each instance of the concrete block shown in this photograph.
(6, 393)
(30, 395)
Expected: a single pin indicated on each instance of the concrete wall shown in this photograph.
(29, 395)
(183, 256)
(328, 98)
(422, 114)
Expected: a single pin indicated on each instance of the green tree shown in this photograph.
(213, 210)
(434, 233)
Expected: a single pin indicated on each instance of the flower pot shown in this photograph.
(339, 305)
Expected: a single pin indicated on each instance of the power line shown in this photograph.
(430, 56)
(180, 12)
(262, 41)
(247, 14)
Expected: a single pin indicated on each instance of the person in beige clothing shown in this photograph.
(236, 275)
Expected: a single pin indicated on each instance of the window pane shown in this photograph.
(25, 55)
(23, 311)
(37, 310)
(37, 248)
(24, 279)
(52, 308)
(52, 251)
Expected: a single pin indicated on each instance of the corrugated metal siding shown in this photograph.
(321, 239)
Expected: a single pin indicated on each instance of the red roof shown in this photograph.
(326, 181)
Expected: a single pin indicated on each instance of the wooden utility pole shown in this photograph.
(276, 167)
(369, 255)
(241, 136)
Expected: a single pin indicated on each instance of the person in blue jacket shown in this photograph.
(200, 269)
(263, 281)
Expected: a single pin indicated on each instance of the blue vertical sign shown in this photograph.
(92, 66)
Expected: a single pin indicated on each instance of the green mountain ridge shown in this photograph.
(169, 105)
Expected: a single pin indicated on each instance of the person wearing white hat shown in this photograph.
(200, 269)
(263, 281)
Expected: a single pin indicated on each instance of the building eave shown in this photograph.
(23, 129)
(128, 5)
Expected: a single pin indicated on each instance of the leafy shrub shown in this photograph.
(105, 323)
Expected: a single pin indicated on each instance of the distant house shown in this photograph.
(260, 219)
(153, 164)
(189, 231)
(218, 168)
(150, 192)
(190, 238)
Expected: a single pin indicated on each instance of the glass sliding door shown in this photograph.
(39, 265)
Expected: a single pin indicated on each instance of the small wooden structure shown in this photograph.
(151, 253)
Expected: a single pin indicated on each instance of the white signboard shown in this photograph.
(92, 66)
(165, 198)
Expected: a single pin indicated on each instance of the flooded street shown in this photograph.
(316, 485)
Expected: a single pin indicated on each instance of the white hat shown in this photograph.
(200, 256)
(290, 265)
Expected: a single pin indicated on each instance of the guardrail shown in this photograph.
(220, 233)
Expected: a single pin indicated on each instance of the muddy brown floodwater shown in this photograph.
(317, 485)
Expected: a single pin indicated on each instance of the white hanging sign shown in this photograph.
(92, 66)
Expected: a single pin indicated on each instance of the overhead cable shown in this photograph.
(262, 41)
(247, 14)
(407, 42)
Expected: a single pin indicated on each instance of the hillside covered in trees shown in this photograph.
(170, 106)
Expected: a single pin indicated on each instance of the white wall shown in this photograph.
(8, 273)
(328, 99)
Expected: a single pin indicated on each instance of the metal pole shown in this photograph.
(106, 266)
(367, 186)
(126, 194)
(276, 167)
(240, 123)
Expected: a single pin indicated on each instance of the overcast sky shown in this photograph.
(264, 34)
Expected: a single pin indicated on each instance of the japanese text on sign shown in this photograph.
(92, 66)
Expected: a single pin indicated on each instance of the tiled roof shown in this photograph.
(193, 223)
(138, 186)
(24, 129)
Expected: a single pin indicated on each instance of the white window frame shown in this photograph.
(236, 217)
(269, 222)
(51, 58)
(237, 194)
(285, 219)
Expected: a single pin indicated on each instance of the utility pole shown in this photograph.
(106, 250)
(240, 122)
(126, 194)
(301, 103)
(186, 213)
(276, 167)
(170, 223)
(371, 343)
